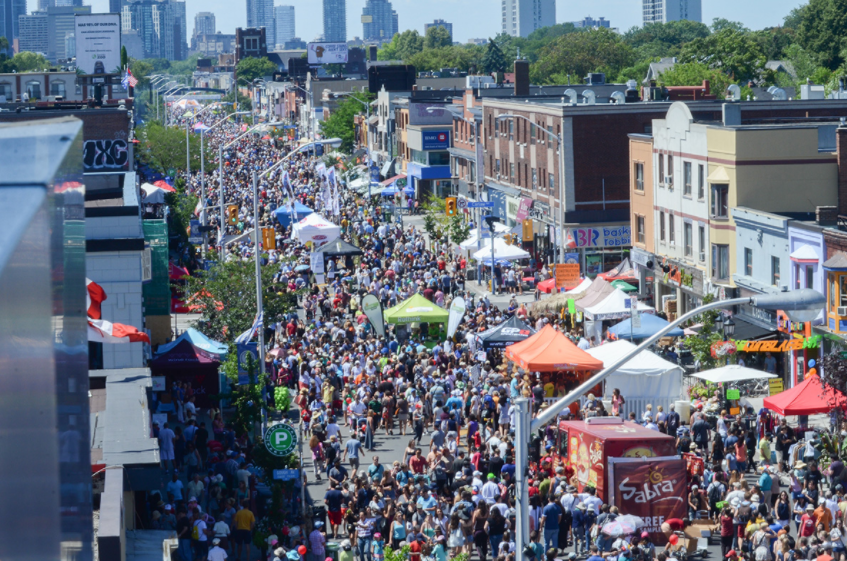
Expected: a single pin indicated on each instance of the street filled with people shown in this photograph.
(409, 434)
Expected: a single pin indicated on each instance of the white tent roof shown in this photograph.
(151, 194)
(613, 307)
(645, 363)
(502, 251)
(470, 243)
(582, 287)
(732, 373)
(315, 228)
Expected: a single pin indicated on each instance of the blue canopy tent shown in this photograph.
(390, 191)
(650, 325)
(198, 340)
(283, 215)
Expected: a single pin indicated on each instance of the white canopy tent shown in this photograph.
(471, 242)
(580, 288)
(152, 195)
(647, 378)
(614, 306)
(317, 229)
(732, 373)
(502, 251)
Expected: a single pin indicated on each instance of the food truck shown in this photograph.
(586, 447)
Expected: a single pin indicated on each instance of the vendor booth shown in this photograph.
(614, 306)
(560, 300)
(806, 398)
(650, 325)
(285, 216)
(550, 351)
(183, 361)
(474, 243)
(624, 271)
(416, 309)
(511, 331)
(316, 229)
(644, 379)
(152, 195)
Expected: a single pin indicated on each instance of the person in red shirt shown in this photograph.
(726, 531)
(415, 548)
(418, 463)
(291, 328)
(807, 523)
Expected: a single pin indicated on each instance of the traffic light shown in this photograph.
(450, 206)
(268, 238)
(232, 215)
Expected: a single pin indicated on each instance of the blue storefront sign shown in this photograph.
(435, 140)
(244, 351)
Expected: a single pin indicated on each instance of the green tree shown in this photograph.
(657, 40)
(822, 30)
(577, 54)
(181, 205)
(693, 74)
(30, 62)
(164, 148)
(437, 37)
(402, 46)
(735, 53)
(244, 102)
(458, 228)
(124, 58)
(226, 298)
(721, 24)
(494, 59)
(340, 122)
(141, 70)
(462, 57)
(250, 68)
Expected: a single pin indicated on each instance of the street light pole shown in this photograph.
(798, 304)
(259, 302)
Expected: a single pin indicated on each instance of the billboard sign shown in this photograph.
(327, 53)
(98, 43)
(435, 140)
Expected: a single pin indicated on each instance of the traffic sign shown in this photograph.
(480, 204)
(280, 439)
(462, 203)
(286, 474)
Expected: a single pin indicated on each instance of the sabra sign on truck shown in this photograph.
(652, 489)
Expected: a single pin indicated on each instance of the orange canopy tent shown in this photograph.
(550, 351)
(806, 398)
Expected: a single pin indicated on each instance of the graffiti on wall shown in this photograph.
(102, 155)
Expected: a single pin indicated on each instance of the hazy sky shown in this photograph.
(476, 18)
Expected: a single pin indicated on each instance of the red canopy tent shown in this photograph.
(807, 398)
(175, 272)
(162, 184)
(550, 351)
(624, 271)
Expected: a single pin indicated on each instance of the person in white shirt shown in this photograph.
(216, 553)
(490, 490)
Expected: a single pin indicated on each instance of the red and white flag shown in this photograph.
(102, 331)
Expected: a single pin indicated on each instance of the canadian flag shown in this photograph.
(102, 331)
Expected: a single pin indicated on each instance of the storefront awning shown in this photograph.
(837, 262)
(805, 254)
(747, 331)
(719, 175)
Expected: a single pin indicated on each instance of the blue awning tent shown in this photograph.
(198, 340)
(283, 216)
(650, 325)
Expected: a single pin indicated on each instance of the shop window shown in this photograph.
(720, 200)
(720, 262)
(797, 285)
(774, 271)
(511, 129)
(688, 238)
(639, 176)
(661, 226)
(511, 173)
(497, 166)
(833, 299)
(6, 92)
(701, 232)
(33, 90)
(843, 290)
(686, 178)
(810, 276)
(670, 172)
(639, 228)
(551, 182)
(748, 261)
(534, 178)
(661, 170)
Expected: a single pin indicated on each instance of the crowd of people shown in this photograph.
(453, 490)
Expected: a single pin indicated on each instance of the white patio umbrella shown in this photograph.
(732, 373)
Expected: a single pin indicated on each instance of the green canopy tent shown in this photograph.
(623, 285)
(416, 309)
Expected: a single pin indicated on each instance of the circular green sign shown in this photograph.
(280, 440)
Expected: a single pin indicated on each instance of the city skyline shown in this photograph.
(487, 21)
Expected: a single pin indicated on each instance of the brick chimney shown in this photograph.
(841, 154)
(521, 78)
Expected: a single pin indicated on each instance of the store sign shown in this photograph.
(540, 211)
(566, 275)
(435, 140)
(602, 236)
(639, 257)
(775, 386)
(785, 325)
(652, 490)
(796, 344)
(523, 209)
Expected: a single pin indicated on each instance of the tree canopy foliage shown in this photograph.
(340, 121)
(250, 68)
(164, 148)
